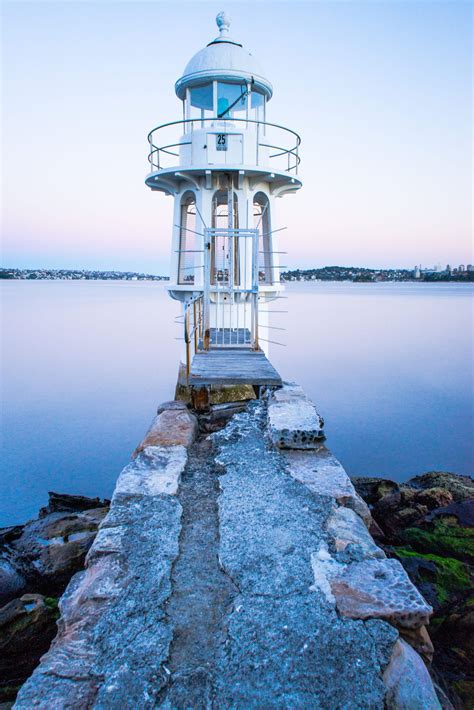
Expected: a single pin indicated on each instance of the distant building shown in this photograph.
(461, 268)
(417, 272)
(469, 267)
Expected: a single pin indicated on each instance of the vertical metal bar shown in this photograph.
(206, 288)
(255, 287)
(187, 340)
(195, 327)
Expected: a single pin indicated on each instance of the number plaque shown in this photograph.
(221, 141)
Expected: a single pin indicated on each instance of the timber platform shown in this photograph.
(228, 366)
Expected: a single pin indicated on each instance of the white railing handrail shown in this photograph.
(292, 152)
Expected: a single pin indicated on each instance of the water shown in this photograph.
(86, 363)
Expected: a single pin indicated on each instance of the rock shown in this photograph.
(408, 683)
(156, 470)
(434, 497)
(379, 589)
(63, 502)
(219, 415)
(12, 581)
(50, 550)
(463, 512)
(173, 427)
(223, 394)
(293, 422)
(373, 489)
(322, 473)
(419, 639)
(347, 529)
(27, 627)
(173, 404)
(376, 531)
(396, 519)
(460, 487)
(443, 537)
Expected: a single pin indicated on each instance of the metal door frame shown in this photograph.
(230, 289)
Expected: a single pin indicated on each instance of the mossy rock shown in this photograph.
(465, 690)
(442, 538)
(450, 577)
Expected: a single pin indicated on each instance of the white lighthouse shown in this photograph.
(224, 164)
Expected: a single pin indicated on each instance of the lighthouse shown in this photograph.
(225, 164)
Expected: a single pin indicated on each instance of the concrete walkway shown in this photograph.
(228, 591)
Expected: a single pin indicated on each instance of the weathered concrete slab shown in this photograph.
(155, 471)
(171, 427)
(370, 589)
(113, 635)
(322, 473)
(286, 645)
(293, 421)
(234, 580)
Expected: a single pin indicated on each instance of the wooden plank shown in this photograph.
(224, 367)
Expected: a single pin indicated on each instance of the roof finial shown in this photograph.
(223, 22)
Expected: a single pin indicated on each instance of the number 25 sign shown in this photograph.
(221, 141)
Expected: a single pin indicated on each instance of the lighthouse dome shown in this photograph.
(224, 59)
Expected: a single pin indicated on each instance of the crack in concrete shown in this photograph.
(202, 592)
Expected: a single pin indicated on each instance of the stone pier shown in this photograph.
(235, 569)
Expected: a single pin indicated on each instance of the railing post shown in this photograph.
(187, 341)
(195, 327)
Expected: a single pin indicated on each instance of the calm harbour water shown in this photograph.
(84, 365)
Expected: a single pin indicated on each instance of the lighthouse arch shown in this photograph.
(262, 222)
(187, 238)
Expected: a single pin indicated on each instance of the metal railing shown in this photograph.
(289, 154)
(193, 328)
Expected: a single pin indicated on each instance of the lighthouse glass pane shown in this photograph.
(187, 241)
(231, 99)
(202, 96)
(257, 102)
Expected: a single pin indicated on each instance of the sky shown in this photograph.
(380, 92)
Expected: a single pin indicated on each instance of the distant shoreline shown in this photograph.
(327, 273)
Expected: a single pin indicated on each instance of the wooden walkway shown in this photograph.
(233, 367)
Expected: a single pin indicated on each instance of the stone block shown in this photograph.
(156, 471)
(172, 427)
(293, 422)
(324, 475)
(419, 639)
(407, 681)
(379, 589)
(346, 528)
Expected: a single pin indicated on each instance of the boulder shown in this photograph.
(12, 580)
(50, 550)
(373, 489)
(65, 503)
(172, 427)
(462, 512)
(293, 422)
(407, 681)
(460, 487)
(434, 497)
(27, 627)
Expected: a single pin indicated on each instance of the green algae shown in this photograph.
(444, 538)
(451, 577)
